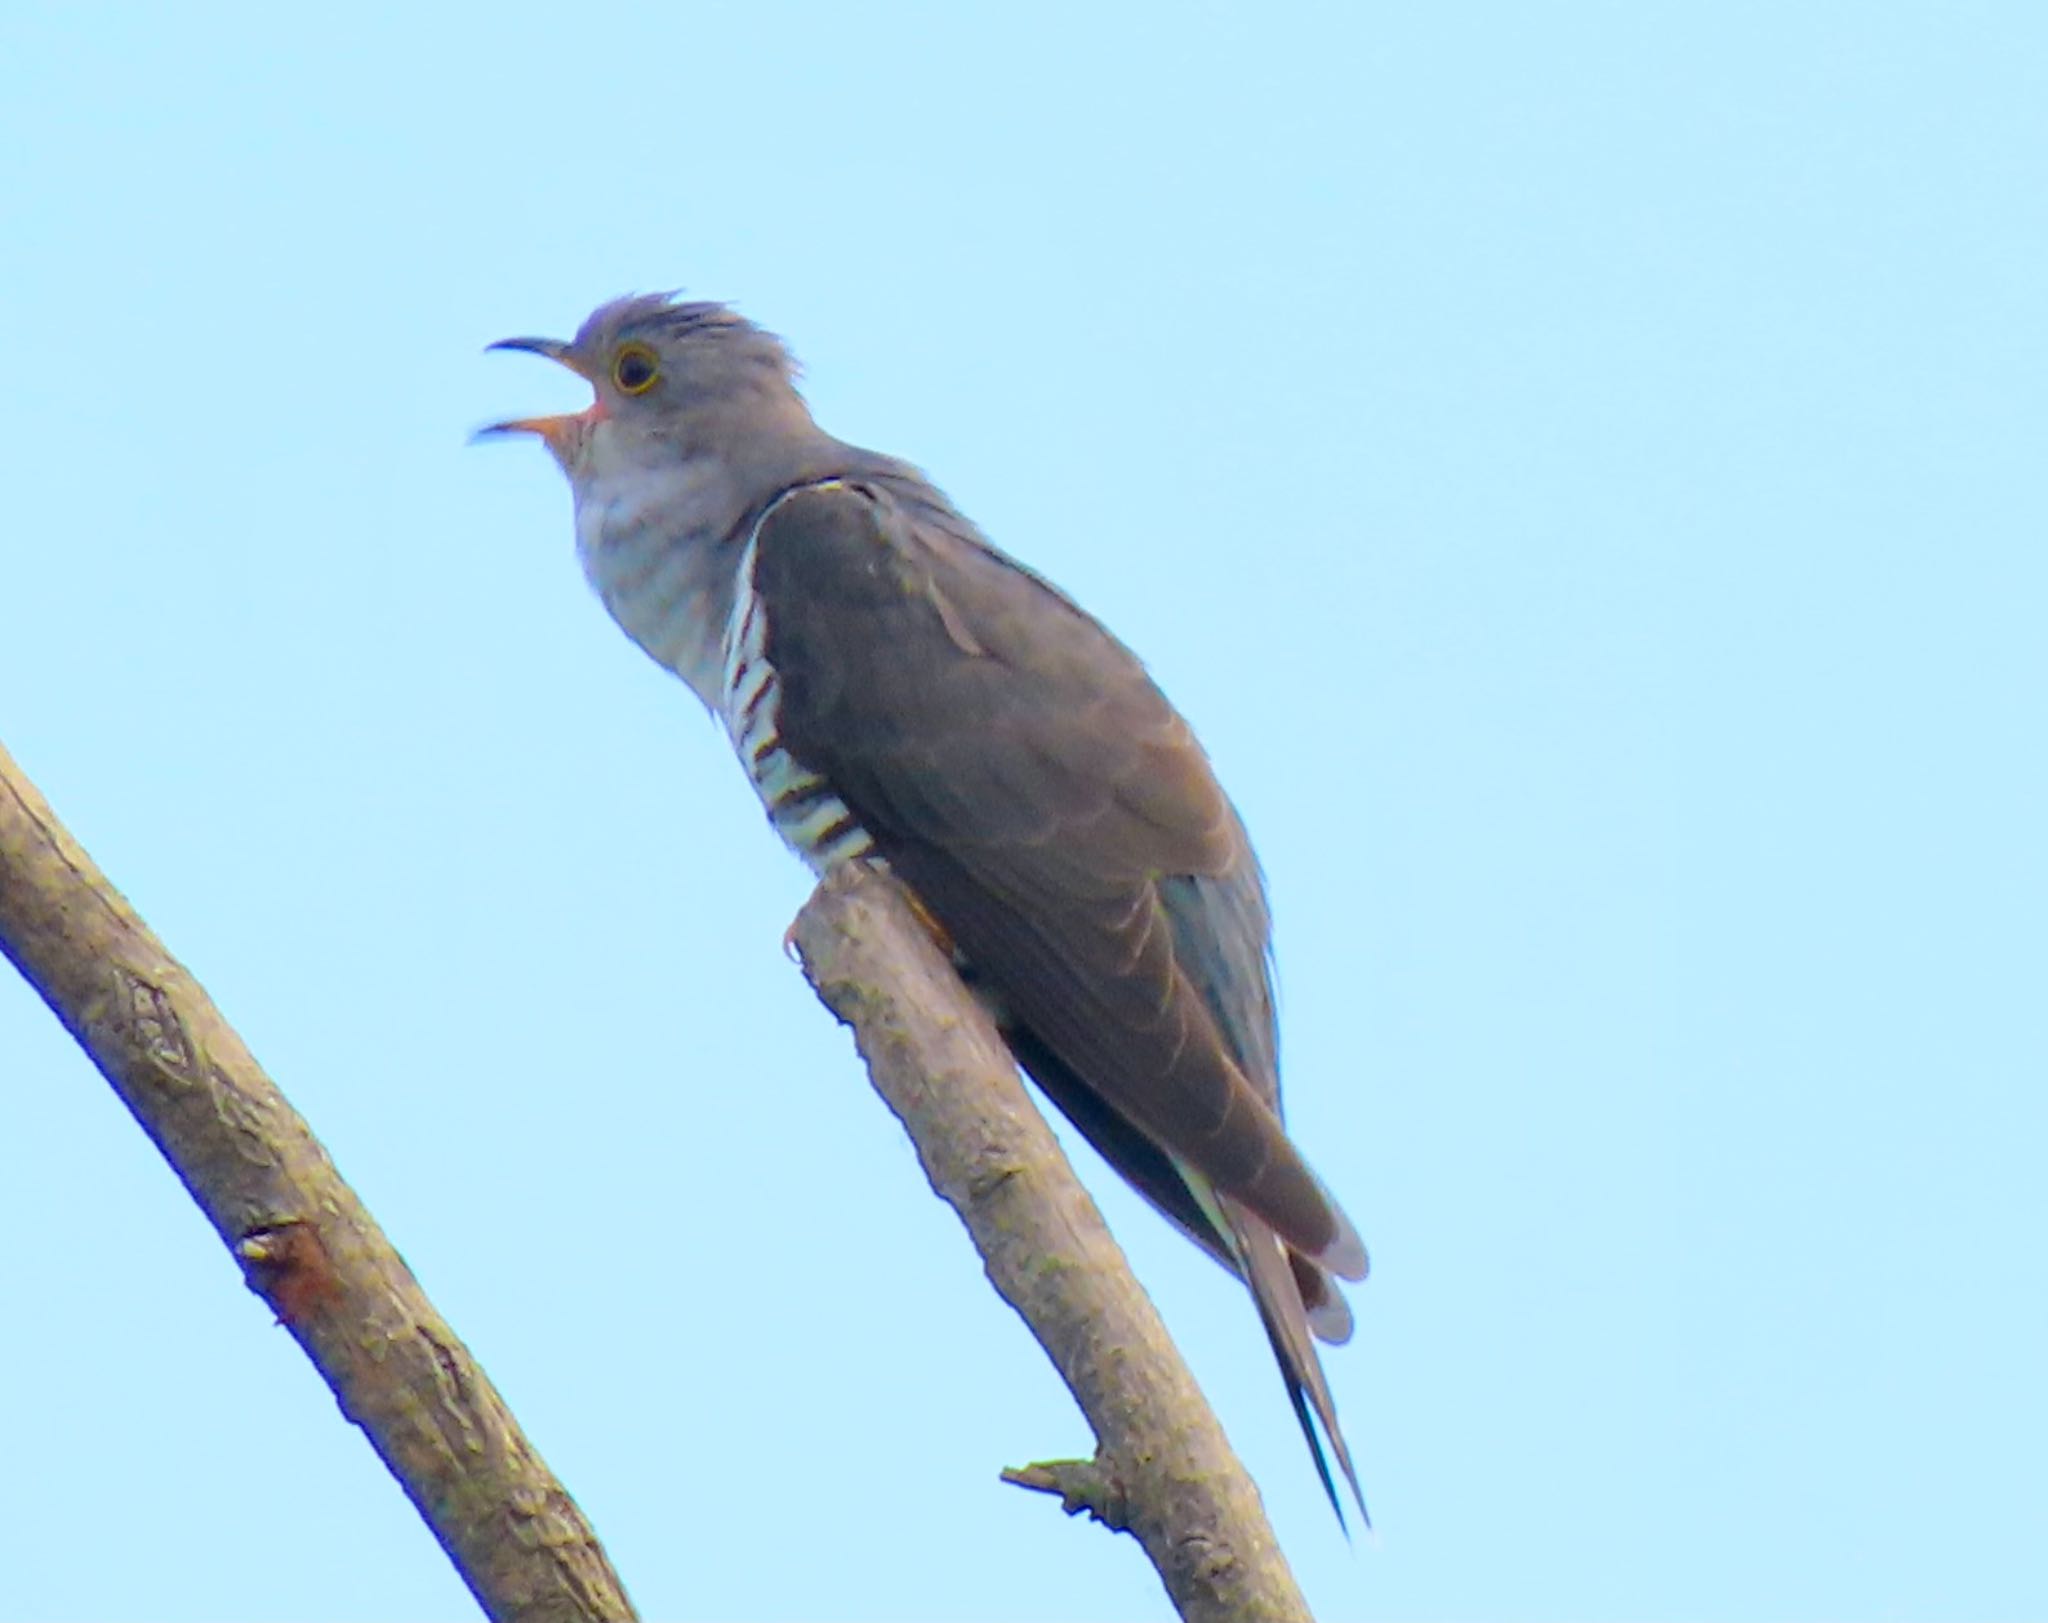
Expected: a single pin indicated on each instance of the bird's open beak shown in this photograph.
(553, 348)
(557, 432)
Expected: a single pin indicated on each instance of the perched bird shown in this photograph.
(899, 690)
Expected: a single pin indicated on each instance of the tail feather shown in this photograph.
(1329, 1315)
(1276, 1289)
(1297, 1298)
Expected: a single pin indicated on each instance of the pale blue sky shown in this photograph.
(1579, 467)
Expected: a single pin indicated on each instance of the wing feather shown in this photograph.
(1027, 780)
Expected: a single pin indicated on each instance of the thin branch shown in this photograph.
(304, 1241)
(1163, 1470)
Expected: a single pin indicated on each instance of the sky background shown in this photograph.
(1580, 469)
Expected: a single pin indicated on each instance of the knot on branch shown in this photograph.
(288, 1266)
(1081, 1485)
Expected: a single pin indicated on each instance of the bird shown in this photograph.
(901, 692)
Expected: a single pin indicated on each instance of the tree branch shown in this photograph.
(304, 1241)
(1163, 1470)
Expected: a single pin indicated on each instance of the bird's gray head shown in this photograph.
(674, 381)
(696, 427)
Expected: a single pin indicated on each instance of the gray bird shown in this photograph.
(899, 690)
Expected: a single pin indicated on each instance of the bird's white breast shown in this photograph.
(664, 581)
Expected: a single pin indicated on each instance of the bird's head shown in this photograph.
(674, 379)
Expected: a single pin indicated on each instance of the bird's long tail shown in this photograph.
(1270, 1272)
(1298, 1302)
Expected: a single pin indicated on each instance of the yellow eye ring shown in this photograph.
(635, 369)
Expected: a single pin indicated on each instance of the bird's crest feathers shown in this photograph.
(665, 319)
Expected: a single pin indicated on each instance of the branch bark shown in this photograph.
(304, 1241)
(1162, 1470)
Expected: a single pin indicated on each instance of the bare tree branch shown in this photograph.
(1163, 1470)
(304, 1241)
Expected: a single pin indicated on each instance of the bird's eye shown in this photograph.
(635, 370)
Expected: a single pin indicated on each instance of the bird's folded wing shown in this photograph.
(1032, 787)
